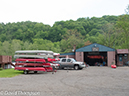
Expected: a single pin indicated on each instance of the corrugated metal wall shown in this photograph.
(79, 56)
(110, 58)
(5, 59)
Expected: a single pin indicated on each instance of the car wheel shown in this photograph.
(76, 67)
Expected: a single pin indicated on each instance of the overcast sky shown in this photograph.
(50, 11)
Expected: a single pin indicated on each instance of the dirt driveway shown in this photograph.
(92, 81)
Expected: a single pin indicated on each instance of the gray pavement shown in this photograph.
(91, 81)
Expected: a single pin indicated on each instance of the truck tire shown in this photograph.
(76, 67)
(80, 68)
(25, 72)
(59, 66)
(62, 67)
(35, 71)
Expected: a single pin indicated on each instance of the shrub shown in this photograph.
(1, 69)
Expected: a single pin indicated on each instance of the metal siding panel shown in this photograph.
(111, 58)
(122, 51)
(82, 57)
(0, 59)
(79, 56)
(5, 59)
(10, 58)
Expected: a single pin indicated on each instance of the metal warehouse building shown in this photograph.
(95, 54)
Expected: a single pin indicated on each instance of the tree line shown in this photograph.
(111, 31)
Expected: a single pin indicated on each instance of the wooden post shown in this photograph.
(128, 56)
(2, 65)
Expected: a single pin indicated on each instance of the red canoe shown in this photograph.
(31, 60)
(34, 64)
(30, 68)
(51, 60)
(49, 69)
(113, 66)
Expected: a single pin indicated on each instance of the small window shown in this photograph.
(63, 60)
(6, 66)
(125, 56)
(120, 58)
(68, 60)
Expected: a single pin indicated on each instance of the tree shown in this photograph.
(109, 36)
(87, 43)
(2, 37)
(69, 33)
(91, 39)
(71, 38)
(15, 45)
(123, 25)
(41, 34)
(18, 34)
(63, 45)
(127, 10)
(5, 50)
(0, 47)
(93, 32)
(56, 32)
(25, 45)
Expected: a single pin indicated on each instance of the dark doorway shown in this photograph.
(95, 58)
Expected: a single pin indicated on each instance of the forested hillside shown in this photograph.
(111, 31)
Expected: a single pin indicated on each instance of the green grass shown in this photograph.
(6, 73)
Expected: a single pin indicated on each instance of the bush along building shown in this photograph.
(99, 55)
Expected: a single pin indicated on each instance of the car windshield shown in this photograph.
(73, 60)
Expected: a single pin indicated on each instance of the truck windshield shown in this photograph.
(73, 60)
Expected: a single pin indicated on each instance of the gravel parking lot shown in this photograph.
(91, 81)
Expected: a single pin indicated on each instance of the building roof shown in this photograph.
(97, 47)
(72, 53)
(122, 51)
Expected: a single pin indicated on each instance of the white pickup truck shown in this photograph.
(71, 63)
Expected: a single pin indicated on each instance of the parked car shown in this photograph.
(71, 63)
